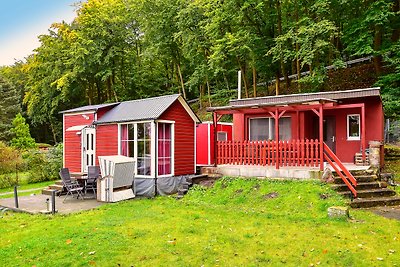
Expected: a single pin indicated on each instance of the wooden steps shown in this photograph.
(58, 186)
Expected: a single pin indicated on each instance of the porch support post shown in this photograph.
(362, 122)
(215, 121)
(321, 138)
(277, 138)
(298, 124)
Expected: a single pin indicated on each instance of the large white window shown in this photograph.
(136, 142)
(264, 128)
(353, 127)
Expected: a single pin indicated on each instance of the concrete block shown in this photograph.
(338, 212)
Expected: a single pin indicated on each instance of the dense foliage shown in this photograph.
(22, 137)
(123, 49)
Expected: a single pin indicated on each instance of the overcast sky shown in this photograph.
(21, 21)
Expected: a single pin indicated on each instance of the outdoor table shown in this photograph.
(80, 177)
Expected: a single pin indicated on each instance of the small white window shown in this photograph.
(222, 136)
(353, 127)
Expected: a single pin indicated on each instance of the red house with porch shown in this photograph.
(302, 130)
(158, 132)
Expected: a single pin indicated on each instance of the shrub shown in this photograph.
(22, 139)
(44, 165)
(10, 158)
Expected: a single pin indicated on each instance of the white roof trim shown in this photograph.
(76, 128)
(188, 109)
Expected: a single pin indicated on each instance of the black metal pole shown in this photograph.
(16, 196)
(53, 202)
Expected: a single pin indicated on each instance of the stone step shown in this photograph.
(375, 202)
(359, 179)
(360, 186)
(370, 193)
(47, 191)
(59, 182)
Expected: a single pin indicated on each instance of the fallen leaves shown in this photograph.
(68, 241)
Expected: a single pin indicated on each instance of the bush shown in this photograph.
(10, 159)
(44, 165)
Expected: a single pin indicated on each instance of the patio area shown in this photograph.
(36, 204)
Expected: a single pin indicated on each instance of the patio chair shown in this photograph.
(69, 185)
(91, 182)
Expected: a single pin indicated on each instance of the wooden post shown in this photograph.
(321, 138)
(362, 122)
(277, 138)
(215, 121)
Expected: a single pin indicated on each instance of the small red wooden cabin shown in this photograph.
(158, 132)
(302, 129)
(205, 140)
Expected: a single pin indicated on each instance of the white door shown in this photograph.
(88, 148)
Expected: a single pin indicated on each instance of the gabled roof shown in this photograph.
(332, 96)
(144, 109)
(89, 108)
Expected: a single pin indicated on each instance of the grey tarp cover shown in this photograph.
(165, 185)
(169, 185)
(144, 187)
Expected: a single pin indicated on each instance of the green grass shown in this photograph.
(238, 222)
(23, 185)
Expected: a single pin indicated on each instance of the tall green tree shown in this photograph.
(10, 105)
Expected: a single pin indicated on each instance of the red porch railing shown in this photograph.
(269, 153)
(340, 169)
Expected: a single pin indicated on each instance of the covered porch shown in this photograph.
(290, 152)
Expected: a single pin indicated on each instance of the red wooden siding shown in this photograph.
(205, 141)
(184, 138)
(72, 141)
(106, 140)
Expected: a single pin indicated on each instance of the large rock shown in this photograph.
(338, 212)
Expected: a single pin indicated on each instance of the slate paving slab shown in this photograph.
(37, 203)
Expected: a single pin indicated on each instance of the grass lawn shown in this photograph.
(23, 185)
(238, 222)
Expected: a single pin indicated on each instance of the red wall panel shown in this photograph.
(184, 138)
(106, 140)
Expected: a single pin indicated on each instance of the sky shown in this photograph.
(22, 21)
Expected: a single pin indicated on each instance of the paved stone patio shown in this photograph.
(37, 203)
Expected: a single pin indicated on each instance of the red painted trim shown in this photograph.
(362, 121)
(277, 137)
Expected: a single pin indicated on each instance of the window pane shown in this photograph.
(285, 128)
(131, 132)
(141, 148)
(164, 148)
(221, 136)
(354, 126)
(140, 131)
(259, 129)
(131, 149)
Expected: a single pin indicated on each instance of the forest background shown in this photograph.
(118, 50)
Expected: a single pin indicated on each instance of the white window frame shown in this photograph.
(353, 138)
(172, 148)
(135, 153)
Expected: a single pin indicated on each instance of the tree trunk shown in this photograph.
(181, 79)
(254, 82)
(226, 81)
(277, 83)
(282, 63)
(208, 92)
(244, 77)
(201, 90)
(377, 59)
(396, 31)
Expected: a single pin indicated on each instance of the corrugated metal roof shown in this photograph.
(89, 108)
(308, 97)
(139, 110)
